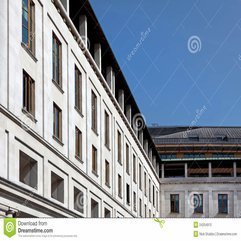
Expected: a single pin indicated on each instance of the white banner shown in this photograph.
(120, 229)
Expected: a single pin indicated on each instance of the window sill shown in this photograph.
(120, 196)
(79, 111)
(79, 159)
(128, 173)
(107, 147)
(58, 140)
(95, 173)
(58, 86)
(119, 162)
(95, 131)
(29, 115)
(107, 184)
(30, 53)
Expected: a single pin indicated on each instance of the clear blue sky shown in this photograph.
(172, 86)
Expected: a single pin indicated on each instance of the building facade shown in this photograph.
(72, 140)
(200, 174)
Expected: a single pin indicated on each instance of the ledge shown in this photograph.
(30, 53)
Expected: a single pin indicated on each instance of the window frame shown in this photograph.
(78, 90)
(57, 123)
(94, 118)
(174, 203)
(28, 94)
(94, 167)
(223, 201)
(107, 129)
(56, 61)
(78, 144)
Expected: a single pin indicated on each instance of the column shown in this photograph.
(97, 55)
(83, 29)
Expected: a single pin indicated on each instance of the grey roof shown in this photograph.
(191, 134)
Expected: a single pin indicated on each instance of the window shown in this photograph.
(107, 213)
(128, 194)
(197, 169)
(134, 201)
(94, 111)
(198, 203)
(174, 203)
(140, 176)
(78, 90)
(57, 125)
(107, 173)
(134, 168)
(119, 186)
(28, 94)
(145, 211)
(78, 200)
(153, 195)
(145, 189)
(127, 159)
(107, 130)
(119, 146)
(149, 190)
(140, 207)
(157, 200)
(94, 209)
(57, 57)
(94, 160)
(57, 187)
(78, 143)
(28, 24)
(174, 170)
(28, 170)
(222, 168)
(223, 203)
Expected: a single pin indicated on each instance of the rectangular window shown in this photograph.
(107, 130)
(128, 201)
(94, 111)
(94, 209)
(57, 187)
(119, 186)
(78, 143)
(223, 203)
(134, 201)
(149, 190)
(134, 168)
(140, 177)
(28, 94)
(28, 170)
(127, 159)
(174, 203)
(107, 173)
(198, 203)
(78, 200)
(78, 89)
(94, 160)
(157, 204)
(107, 213)
(140, 207)
(153, 196)
(57, 61)
(145, 181)
(57, 125)
(145, 211)
(28, 24)
(119, 147)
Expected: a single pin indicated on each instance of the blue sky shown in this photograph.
(174, 81)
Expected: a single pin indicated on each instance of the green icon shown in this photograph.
(160, 221)
(195, 234)
(9, 227)
(195, 224)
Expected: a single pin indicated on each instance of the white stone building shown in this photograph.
(72, 141)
